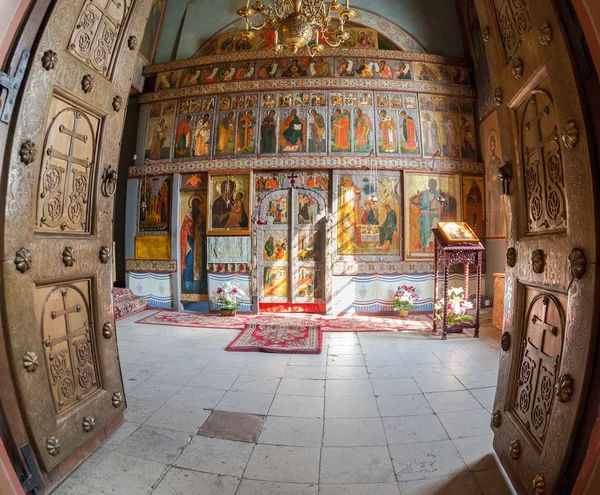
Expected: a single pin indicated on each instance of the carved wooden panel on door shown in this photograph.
(57, 228)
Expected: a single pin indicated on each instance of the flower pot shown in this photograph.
(228, 312)
(403, 313)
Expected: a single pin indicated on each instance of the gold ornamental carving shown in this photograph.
(87, 83)
(539, 484)
(485, 34)
(564, 388)
(117, 103)
(577, 263)
(88, 423)
(49, 59)
(109, 181)
(496, 419)
(104, 254)
(505, 341)
(27, 152)
(132, 42)
(498, 97)
(53, 446)
(117, 399)
(511, 257)
(538, 261)
(107, 330)
(517, 68)
(23, 260)
(68, 256)
(545, 34)
(515, 450)
(570, 136)
(30, 361)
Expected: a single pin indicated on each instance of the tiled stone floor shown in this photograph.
(374, 414)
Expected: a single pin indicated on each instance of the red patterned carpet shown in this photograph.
(353, 323)
(281, 338)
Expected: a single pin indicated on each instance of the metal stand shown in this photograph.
(448, 256)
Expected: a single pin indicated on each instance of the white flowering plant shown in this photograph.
(457, 307)
(228, 296)
(405, 298)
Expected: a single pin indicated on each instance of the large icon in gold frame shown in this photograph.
(229, 203)
(457, 233)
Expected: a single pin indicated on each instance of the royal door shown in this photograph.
(58, 182)
(548, 323)
(290, 232)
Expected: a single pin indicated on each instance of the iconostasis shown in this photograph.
(313, 183)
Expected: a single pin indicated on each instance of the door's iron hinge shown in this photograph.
(12, 84)
(33, 483)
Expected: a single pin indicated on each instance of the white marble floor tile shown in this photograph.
(438, 383)
(301, 386)
(463, 484)
(179, 417)
(459, 400)
(467, 423)
(476, 379)
(297, 406)
(245, 402)
(345, 360)
(183, 481)
(348, 388)
(120, 435)
(309, 372)
(351, 407)
(413, 429)
(284, 464)
(347, 373)
(154, 444)
(295, 432)
(353, 432)
(359, 489)
(253, 487)
(395, 386)
(403, 405)
(255, 384)
(477, 452)
(356, 465)
(426, 460)
(485, 396)
(220, 381)
(212, 455)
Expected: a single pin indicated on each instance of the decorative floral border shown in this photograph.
(268, 54)
(308, 162)
(308, 83)
(157, 266)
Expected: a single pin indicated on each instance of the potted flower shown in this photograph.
(457, 307)
(228, 297)
(404, 299)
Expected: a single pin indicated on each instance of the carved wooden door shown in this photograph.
(57, 230)
(551, 229)
(291, 248)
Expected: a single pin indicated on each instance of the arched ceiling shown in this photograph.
(188, 24)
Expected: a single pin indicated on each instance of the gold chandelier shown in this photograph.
(297, 23)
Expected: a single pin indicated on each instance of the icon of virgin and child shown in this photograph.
(228, 211)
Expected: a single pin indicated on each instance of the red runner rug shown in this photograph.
(283, 338)
(353, 323)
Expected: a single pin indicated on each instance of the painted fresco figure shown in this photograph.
(245, 133)
(426, 74)
(159, 136)
(294, 69)
(319, 68)
(293, 132)
(385, 71)
(403, 71)
(388, 143)
(430, 212)
(363, 128)
(431, 138)
(467, 135)
(202, 136)
(191, 248)
(225, 134)
(388, 228)
(237, 216)
(450, 145)
(183, 136)
(163, 202)
(364, 40)
(221, 207)
(345, 69)
(317, 128)
(267, 133)
(409, 132)
(167, 81)
(369, 217)
(270, 246)
(474, 201)
(340, 131)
